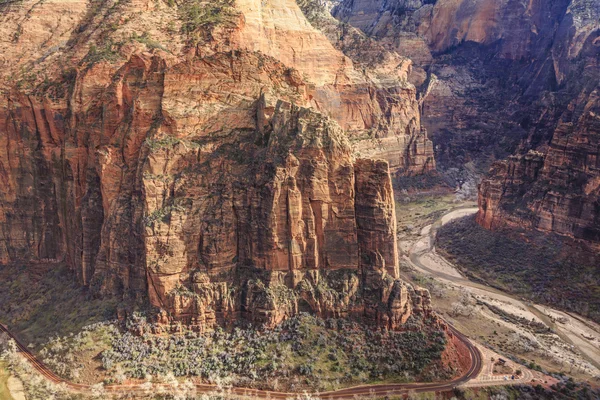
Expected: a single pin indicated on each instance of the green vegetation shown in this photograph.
(564, 390)
(72, 356)
(150, 43)
(198, 17)
(303, 352)
(414, 211)
(420, 182)
(545, 268)
(107, 51)
(166, 142)
(77, 336)
(163, 214)
(26, 80)
(41, 301)
(61, 87)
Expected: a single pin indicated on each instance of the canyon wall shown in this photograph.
(552, 182)
(486, 71)
(507, 80)
(236, 163)
(556, 191)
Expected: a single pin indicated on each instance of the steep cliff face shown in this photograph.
(557, 191)
(500, 78)
(487, 70)
(439, 25)
(205, 156)
(292, 225)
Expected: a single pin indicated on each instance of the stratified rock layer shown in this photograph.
(206, 164)
(553, 183)
(558, 191)
(506, 77)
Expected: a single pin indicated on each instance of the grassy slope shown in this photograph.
(40, 301)
(43, 302)
(544, 268)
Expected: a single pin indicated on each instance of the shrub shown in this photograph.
(282, 354)
(199, 17)
(107, 51)
(145, 38)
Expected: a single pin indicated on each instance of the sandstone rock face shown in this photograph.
(442, 24)
(494, 65)
(287, 229)
(226, 167)
(506, 77)
(558, 191)
(554, 187)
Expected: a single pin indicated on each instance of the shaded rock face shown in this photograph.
(552, 183)
(217, 173)
(487, 71)
(515, 80)
(557, 191)
(519, 26)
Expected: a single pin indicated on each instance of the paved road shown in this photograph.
(347, 393)
(417, 253)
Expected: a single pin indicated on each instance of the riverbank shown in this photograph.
(500, 321)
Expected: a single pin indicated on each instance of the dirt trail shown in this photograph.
(424, 257)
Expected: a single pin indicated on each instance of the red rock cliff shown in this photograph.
(554, 183)
(557, 191)
(506, 77)
(204, 163)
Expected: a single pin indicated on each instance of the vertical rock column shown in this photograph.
(376, 217)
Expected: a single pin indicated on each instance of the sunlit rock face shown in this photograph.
(238, 167)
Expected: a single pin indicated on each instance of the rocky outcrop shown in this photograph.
(226, 164)
(558, 191)
(298, 223)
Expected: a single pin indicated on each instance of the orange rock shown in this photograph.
(213, 177)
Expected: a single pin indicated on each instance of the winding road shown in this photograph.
(346, 393)
(425, 247)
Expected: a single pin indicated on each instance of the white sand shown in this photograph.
(15, 387)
